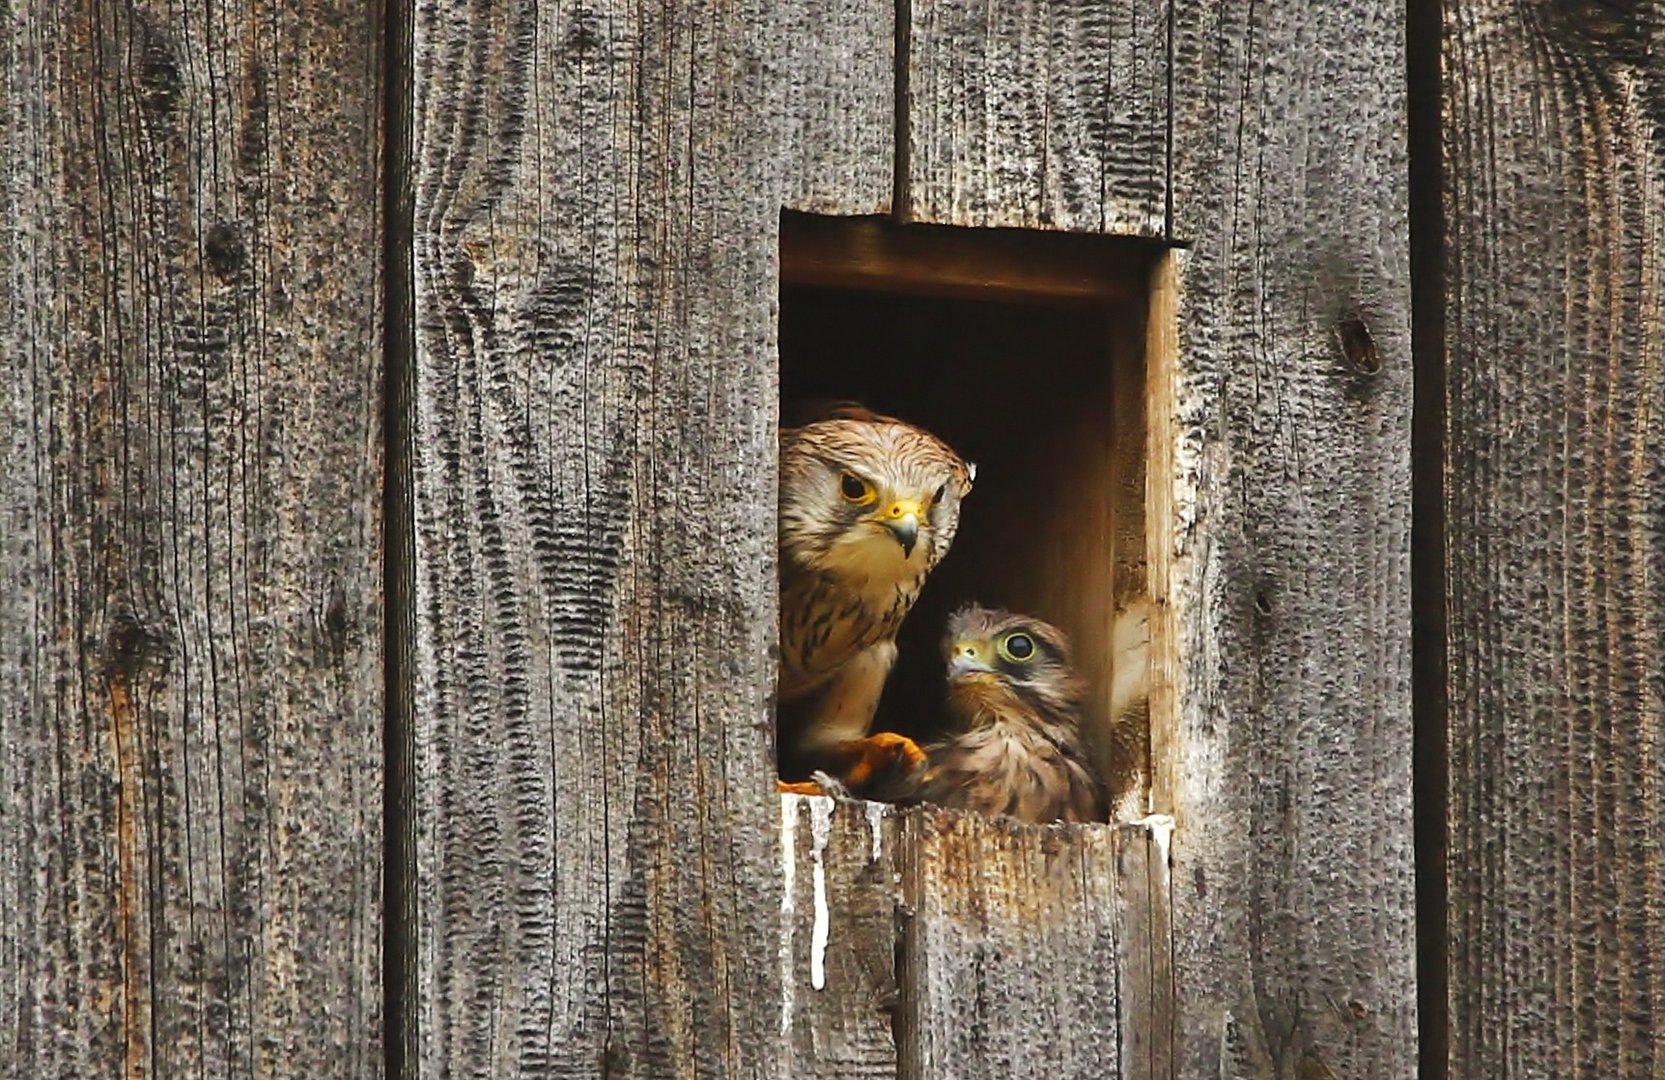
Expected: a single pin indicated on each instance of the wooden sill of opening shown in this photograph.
(1026, 352)
(929, 942)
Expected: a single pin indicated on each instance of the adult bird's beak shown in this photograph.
(902, 519)
(967, 658)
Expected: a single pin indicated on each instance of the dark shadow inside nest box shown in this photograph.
(1025, 352)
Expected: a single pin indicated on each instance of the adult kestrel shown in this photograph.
(868, 506)
(1016, 703)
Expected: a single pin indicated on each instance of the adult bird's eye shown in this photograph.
(855, 489)
(1018, 647)
(942, 489)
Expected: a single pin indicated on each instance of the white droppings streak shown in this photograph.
(875, 826)
(788, 906)
(820, 827)
(1161, 829)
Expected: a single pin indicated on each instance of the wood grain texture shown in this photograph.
(1288, 581)
(596, 206)
(932, 943)
(837, 84)
(1554, 194)
(870, 254)
(1145, 949)
(190, 624)
(1038, 114)
(1012, 954)
(839, 935)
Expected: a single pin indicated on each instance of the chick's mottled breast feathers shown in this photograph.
(1016, 704)
(868, 506)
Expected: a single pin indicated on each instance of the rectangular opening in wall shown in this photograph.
(1027, 353)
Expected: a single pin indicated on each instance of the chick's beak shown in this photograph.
(967, 658)
(902, 519)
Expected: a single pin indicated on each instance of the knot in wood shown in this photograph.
(1358, 347)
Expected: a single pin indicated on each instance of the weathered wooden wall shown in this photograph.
(1271, 142)
(190, 477)
(1554, 328)
(1289, 574)
(1285, 556)
(1036, 114)
(190, 535)
(598, 875)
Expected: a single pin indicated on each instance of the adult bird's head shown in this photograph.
(869, 499)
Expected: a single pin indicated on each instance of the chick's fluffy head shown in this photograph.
(1011, 666)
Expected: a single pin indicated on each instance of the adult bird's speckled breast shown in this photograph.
(868, 506)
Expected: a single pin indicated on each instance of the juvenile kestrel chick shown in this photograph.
(868, 505)
(1017, 705)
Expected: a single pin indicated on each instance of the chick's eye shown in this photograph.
(1019, 647)
(855, 489)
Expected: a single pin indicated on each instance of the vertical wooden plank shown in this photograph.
(190, 623)
(1010, 960)
(837, 80)
(1038, 114)
(1144, 950)
(1122, 750)
(1169, 498)
(839, 906)
(1288, 578)
(596, 206)
(1554, 322)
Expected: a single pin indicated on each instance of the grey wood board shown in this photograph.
(1038, 114)
(1288, 553)
(836, 82)
(839, 934)
(1011, 958)
(1554, 320)
(1144, 950)
(190, 537)
(597, 192)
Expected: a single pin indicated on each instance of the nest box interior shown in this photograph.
(1025, 352)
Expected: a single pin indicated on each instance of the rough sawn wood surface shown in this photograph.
(1554, 326)
(190, 538)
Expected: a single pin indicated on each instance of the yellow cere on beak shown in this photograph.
(969, 658)
(902, 519)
